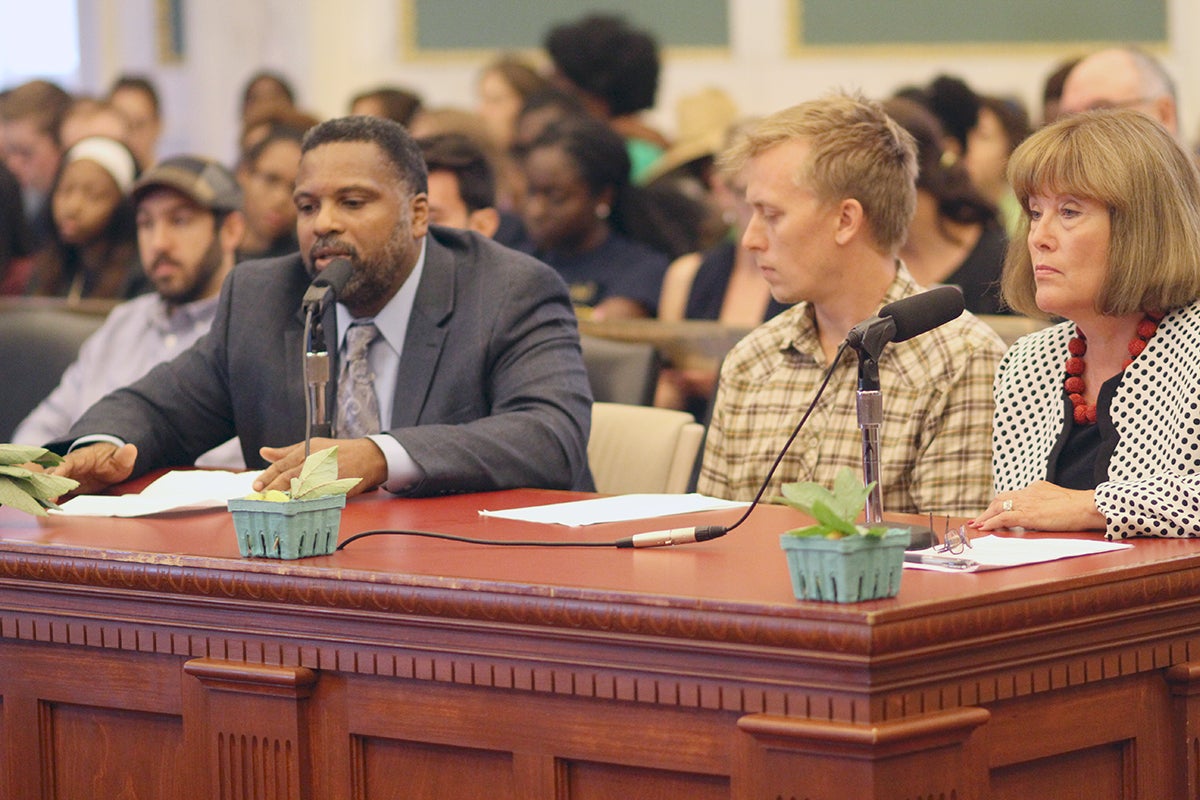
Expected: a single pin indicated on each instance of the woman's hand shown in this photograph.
(1042, 506)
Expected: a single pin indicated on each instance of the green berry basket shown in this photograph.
(846, 570)
(291, 529)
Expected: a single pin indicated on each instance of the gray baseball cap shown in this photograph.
(206, 182)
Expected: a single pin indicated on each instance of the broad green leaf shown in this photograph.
(21, 454)
(48, 459)
(846, 483)
(320, 467)
(12, 494)
(38, 485)
(14, 471)
(46, 487)
(827, 517)
(804, 495)
(340, 486)
(850, 496)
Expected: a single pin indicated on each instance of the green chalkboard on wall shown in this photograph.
(858, 23)
(446, 25)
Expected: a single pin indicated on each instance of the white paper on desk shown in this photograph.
(620, 508)
(998, 552)
(181, 490)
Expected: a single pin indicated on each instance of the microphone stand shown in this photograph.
(316, 367)
(870, 418)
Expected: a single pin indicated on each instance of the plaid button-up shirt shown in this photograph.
(936, 433)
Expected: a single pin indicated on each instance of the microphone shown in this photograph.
(906, 318)
(673, 536)
(324, 289)
(895, 322)
(329, 284)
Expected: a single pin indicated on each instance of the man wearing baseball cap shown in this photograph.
(189, 225)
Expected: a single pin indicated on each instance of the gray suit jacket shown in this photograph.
(491, 391)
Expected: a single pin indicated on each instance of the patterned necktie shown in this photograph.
(358, 408)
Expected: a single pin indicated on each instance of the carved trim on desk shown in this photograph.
(728, 687)
(591, 610)
(735, 657)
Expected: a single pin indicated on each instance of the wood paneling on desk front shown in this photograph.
(142, 658)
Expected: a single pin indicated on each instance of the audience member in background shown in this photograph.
(541, 109)
(267, 175)
(576, 214)
(614, 69)
(1122, 77)
(87, 116)
(436, 122)
(264, 91)
(136, 97)
(16, 240)
(262, 122)
(954, 236)
(446, 119)
(390, 102)
(30, 116)
(1052, 90)
(831, 186)
(503, 88)
(661, 215)
(92, 252)
(722, 283)
(461, 184)
(955, 106)
(1096, 417)
(476, 378)
(188, 227)
(1003, 124)
(686, 168)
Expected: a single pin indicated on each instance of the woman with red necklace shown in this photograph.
(1097, 422)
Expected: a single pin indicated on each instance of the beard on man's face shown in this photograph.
(193, 284)
(373, 279)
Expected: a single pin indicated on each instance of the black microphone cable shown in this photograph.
(673, 536)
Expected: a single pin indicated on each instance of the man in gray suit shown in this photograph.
(477, 364)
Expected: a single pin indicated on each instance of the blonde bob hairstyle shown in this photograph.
(1151, 187)
(856, 152)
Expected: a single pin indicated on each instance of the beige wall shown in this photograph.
(332, 48)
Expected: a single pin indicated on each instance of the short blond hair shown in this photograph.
(1150, 184)
(856, 151)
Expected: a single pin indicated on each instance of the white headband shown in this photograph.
(108, 153)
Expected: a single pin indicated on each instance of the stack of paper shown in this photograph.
(182, 490)
(997, 552)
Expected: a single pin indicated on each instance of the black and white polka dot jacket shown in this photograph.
(1153, 486)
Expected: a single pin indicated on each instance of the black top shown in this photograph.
(16, 235)
(1080, 459)
(711, 281)
(979, 274)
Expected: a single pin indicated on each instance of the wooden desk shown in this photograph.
(144, 659)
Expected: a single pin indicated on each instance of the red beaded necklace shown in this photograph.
(1085, 414)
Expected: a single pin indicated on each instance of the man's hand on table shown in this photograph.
(357, 458)
(97, 466)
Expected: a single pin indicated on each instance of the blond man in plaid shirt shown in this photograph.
(831, 184)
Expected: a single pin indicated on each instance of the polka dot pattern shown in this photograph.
(1154, 474)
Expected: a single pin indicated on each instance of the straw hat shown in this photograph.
(704, 119)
